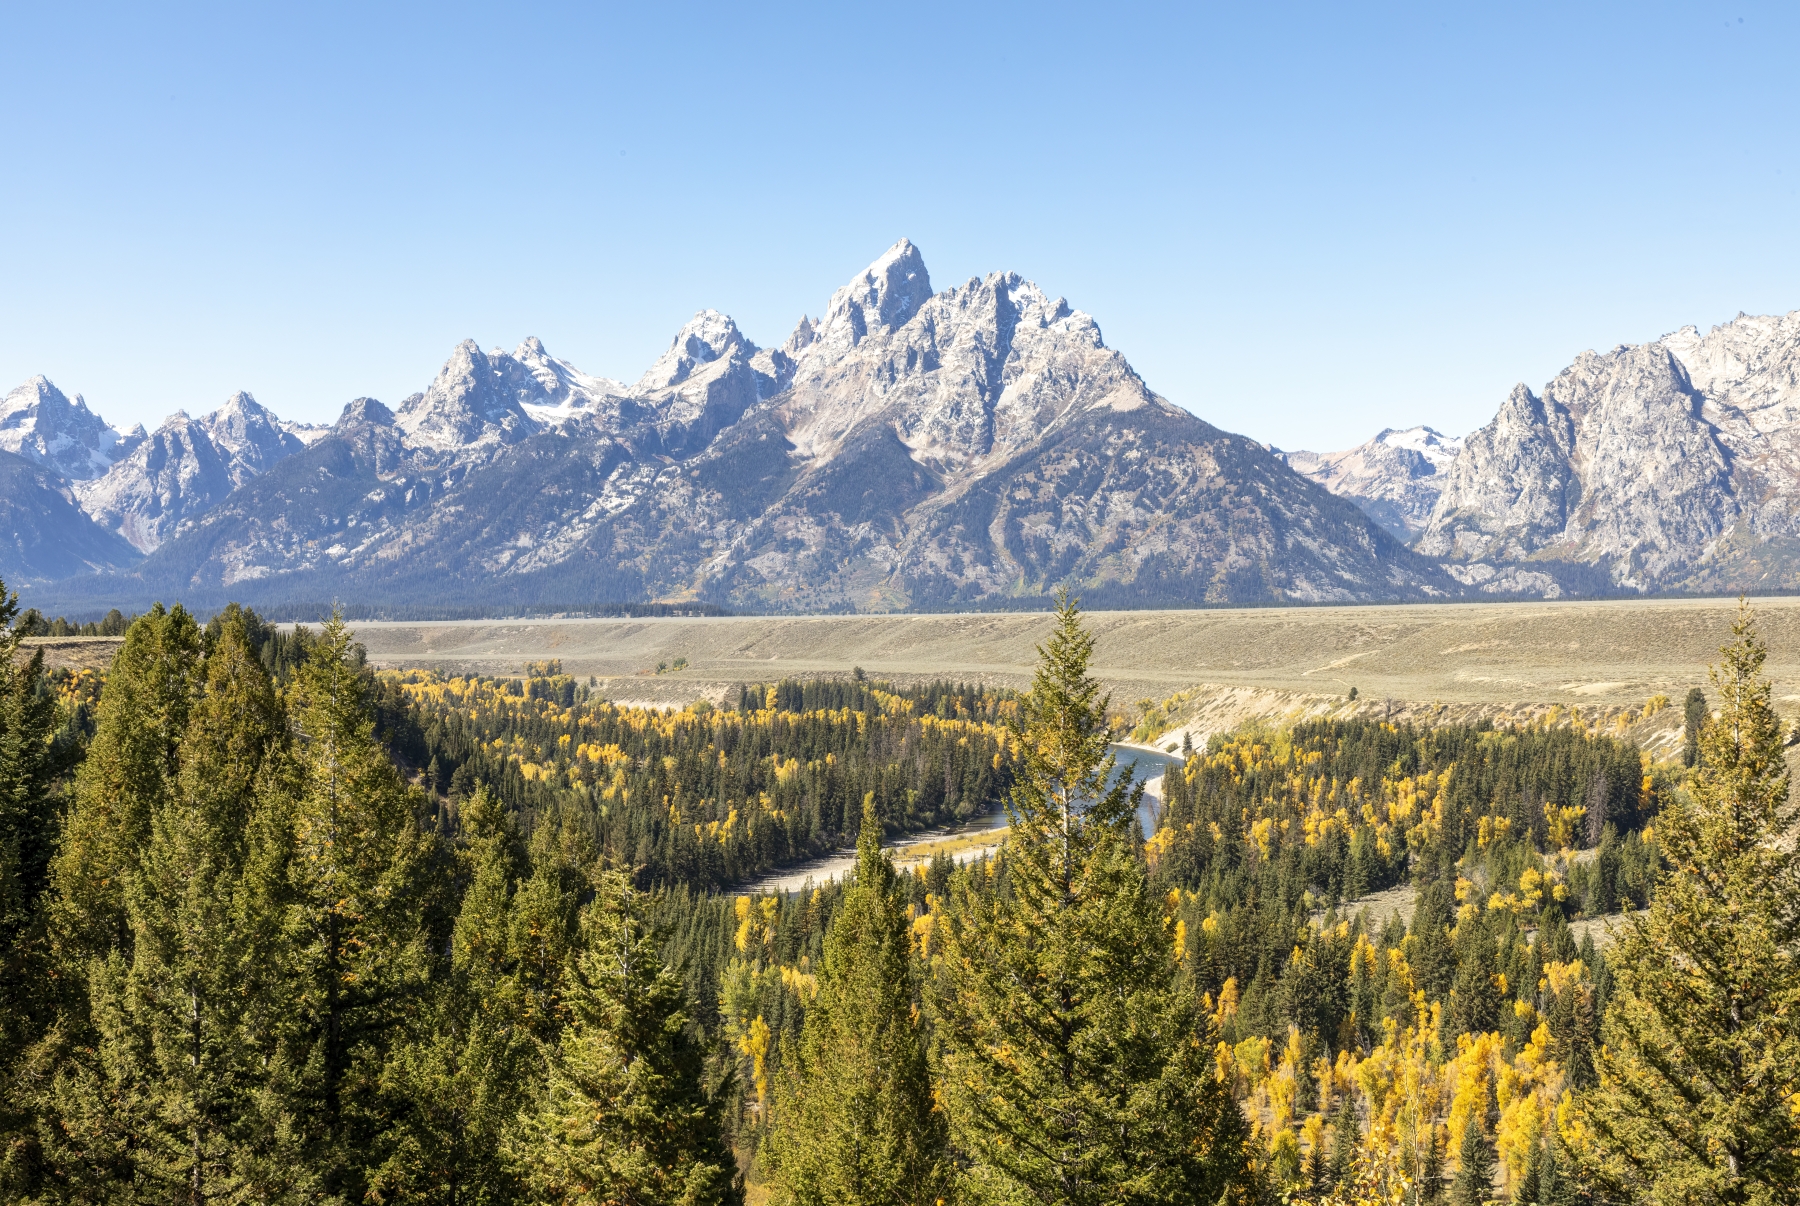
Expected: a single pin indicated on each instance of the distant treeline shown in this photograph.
(315, 612)
(32, 623)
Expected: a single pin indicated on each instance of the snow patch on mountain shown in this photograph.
(40, 423)
(183, 468)
(1395, 477)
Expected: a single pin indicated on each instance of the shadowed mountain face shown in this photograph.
(43, 535)
(974, 447)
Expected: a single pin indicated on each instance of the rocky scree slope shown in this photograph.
(975, 447)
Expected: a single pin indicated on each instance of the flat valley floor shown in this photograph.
(1418, 661)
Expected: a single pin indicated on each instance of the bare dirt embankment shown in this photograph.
(74, 653)
(1420, 662)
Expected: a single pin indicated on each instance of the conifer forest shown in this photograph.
(280, 927)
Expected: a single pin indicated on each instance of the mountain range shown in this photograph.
(1669, 466)
(910, 448)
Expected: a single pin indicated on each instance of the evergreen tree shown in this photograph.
(857, 1123)
(27, 837)
(1429, 952)
(1554, 1188)
(1700, 1061)
(627, 1115)
(1075, 1069)
(129, 771)
(357, 895)
(1317, 1171)
(1475, 1168)
(463, 1078)
(1529, 1190)
(1346, 1137)
(1475, 999)
(1694, 717)
(164, 1104)
(1431, 1170)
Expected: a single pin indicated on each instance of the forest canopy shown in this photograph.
(279, 926)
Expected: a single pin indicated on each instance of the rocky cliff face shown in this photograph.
(1638, 468)
(1668, 465)
(39, 423)
(1395, 477)
(910, 448)
(183, 468)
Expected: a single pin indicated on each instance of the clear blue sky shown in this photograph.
(1302, 222)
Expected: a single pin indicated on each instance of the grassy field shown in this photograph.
(1414, 661)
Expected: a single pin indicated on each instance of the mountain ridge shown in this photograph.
(976, 446)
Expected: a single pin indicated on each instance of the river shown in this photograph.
(1147, 764)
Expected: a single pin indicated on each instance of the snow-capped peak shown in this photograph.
(707, 337)
(40, 423)
(881, 298)
(1433, 445)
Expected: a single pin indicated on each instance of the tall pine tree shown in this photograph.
(129, 771)
(1076, 1070)
(163, 1105)
(28, 822)
(627, 1116)
(465, 1077)
(856, 1124)
(359, 886)
(1474, 1179)
(1700, 1061)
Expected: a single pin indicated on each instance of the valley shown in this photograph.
(1441, 662)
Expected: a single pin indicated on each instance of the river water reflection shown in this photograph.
(1146, 764)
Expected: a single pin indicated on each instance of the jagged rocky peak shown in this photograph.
(43, 425)
(977, 371)
(367, 410)
(184, 467)
(483, 401)
(1748, 369)
(1598, 384)
(472, 405)
(250, 431)
(802, 336)
(1613, 467)
(880, 299)
(707, 337)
